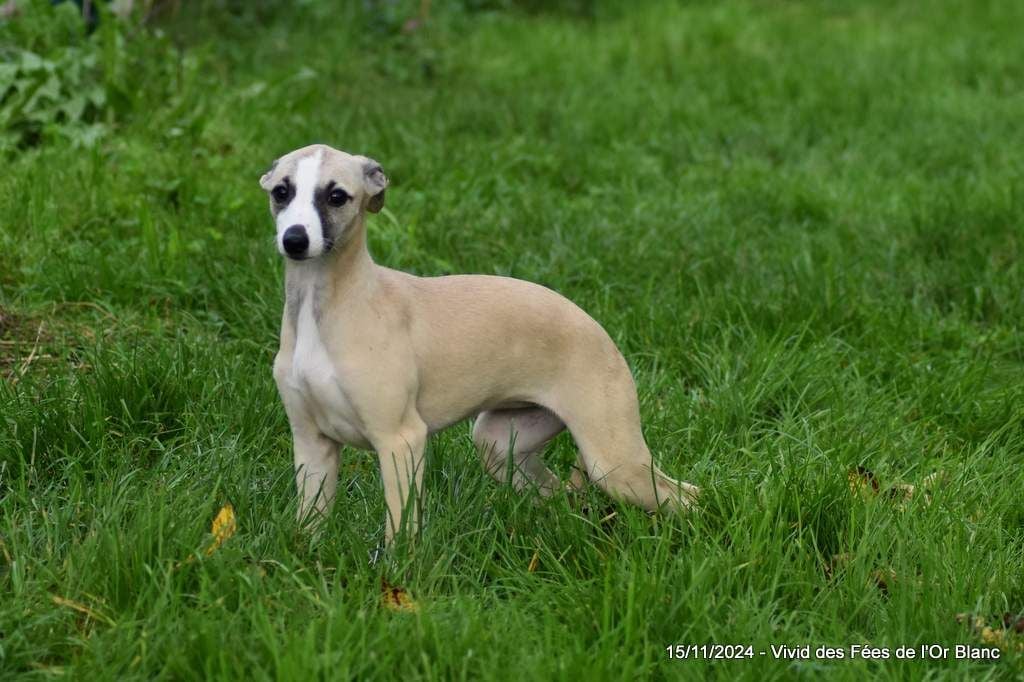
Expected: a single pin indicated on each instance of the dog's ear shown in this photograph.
(265, 178)
(376, 183)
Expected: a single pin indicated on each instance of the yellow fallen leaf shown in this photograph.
(1001, 638)
(1002, 635)
(534, 563)
(396, 598)
(993, 637)
(862, 482)
(223, 527)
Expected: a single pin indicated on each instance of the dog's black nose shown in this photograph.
(295, 240)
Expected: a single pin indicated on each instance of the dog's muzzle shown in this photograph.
(295, 241)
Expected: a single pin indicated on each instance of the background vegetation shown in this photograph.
(800, 221)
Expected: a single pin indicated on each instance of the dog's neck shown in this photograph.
(334, 275)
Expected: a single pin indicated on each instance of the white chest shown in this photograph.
(315, 379)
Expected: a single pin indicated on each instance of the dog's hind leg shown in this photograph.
(510, 443)
(612, 447)
(617, 460)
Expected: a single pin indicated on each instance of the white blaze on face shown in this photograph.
(301, 210)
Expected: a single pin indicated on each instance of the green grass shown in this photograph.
(800, 221)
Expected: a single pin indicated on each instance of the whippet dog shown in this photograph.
(380, 359)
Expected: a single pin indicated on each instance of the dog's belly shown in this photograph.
(439, 416)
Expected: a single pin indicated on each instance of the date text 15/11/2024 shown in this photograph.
(933, 652)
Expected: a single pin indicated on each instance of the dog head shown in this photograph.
(317, 194)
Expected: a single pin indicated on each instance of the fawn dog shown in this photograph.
(380, 359)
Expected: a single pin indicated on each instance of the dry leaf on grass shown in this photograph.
(223, 527)
(864, 484)
(882, 578)
(1014, 623)
(901, 492)
(1005, 632)
(395, 598)
(534, 563)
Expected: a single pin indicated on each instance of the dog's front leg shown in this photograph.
(401, 472)
(316, 456)
(316, 474)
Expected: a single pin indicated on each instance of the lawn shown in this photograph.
(800, 221)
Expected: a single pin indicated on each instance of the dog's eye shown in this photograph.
(337, 197)
(280, 194)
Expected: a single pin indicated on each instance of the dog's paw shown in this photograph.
(689, 497)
